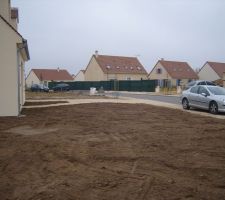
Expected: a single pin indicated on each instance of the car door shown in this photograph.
(203, 97)
(193, 96)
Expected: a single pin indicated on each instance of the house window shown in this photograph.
(128, 78)
(178, 82)
(159, 71)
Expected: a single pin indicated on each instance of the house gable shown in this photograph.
(207, 73)
(32, 79)
(80, 76)
(159, 72)
(93, 71)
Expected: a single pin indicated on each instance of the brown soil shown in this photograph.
(111, 151)
(62, 95)
(43, 103)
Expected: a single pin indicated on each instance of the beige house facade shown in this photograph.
(13, 55)
(172, 73)
(103, 68)
(45, 76)
(80, 76)
(212, 71)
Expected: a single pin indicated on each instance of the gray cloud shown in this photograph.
(66, 33)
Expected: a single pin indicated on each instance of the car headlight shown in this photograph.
(224, 102)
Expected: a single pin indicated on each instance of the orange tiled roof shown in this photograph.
(120, 65)
(179, 70)
(219, 68)
(53, 74)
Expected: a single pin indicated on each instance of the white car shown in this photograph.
(205, 97)
(199, 82)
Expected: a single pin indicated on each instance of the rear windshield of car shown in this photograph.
(202, 83)
(217, 90)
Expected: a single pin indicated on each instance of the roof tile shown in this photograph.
(120, 65)
(219, 68)
(53, 74)
(179, 70)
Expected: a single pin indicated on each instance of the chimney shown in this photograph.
(162, 59)
(96, 53)
(58, 69)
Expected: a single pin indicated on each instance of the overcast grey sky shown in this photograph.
(66, 33)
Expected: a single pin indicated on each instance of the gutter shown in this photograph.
(24, 46)
(18, 80)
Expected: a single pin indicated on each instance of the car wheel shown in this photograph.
(213, 107)
(185, 104)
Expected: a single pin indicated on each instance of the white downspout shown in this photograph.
(18, 80)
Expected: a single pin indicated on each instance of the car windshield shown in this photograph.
(217, 90)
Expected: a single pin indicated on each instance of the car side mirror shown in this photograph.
(204, 94)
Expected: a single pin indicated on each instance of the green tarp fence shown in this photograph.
(113, 85)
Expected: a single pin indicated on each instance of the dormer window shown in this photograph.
(159, 71)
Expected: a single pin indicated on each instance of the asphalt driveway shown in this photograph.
(162, 98)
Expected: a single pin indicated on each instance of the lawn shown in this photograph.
(105, 151)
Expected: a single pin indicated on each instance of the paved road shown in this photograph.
(162, 98)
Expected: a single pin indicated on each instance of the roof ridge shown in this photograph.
(215, 62)
(173, 61)
(117, 56)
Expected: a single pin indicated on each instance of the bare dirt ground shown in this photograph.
(61, 95)
(111, 151)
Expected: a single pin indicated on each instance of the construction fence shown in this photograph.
(112, 85)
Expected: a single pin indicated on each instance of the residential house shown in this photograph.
(13, 55)
(103, 67)
(172, 73)
(80, 76)
(212, 71)
(44, 76)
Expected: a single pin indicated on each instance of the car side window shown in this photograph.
(194, 89)
(203, 90)
(209, 83)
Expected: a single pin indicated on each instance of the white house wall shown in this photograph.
(155, 76)
(5, 10)
(207, 73)
(80, 76)
(94, 72)
(32, 79)
(8, 70)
